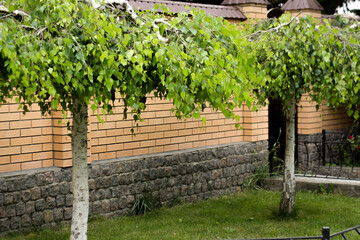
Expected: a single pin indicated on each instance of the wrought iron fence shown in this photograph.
(329, 158)
(325, 235)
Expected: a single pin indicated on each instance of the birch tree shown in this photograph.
(77, 54)
(301, 57)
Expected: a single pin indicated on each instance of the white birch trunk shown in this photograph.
(80, 187)
(288, 194)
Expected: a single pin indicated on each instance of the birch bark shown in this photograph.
(287, 204)
(80, 187)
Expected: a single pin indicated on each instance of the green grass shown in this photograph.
(245, 215)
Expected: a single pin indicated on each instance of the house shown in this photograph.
(174, 159)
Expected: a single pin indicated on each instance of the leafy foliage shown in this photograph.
(301, 57)
(94, 55)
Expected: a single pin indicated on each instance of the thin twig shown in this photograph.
(5, 16)
(40, 31)
(275, 29)
(28, 27)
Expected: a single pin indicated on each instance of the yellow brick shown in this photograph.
(4, 108)
(21, 158)
(160, 142)
(30, 132)
(47, 163)
(218, 135)
(131, 145)
(171, 147)
(114, 147)
(185, 146)
(125, 153)
(155, 121)
(4, 159)
(62, 155)
(42, 139)
(47, 147)
(164, 127)
(140, 137)
(212, 142)
(199, 144)
(156, 149)
(185, 132)
(20, 124)
(30, 115)
(4, 125)
(107, 155)
(4, 142)
(31, 148)
(41, 123)
(9, 151)
(148, 143)
(224, 140)
(10, 116)
(10, 167)
(108, 140)
(21, 141)
(114, 132)
(140, 151)
(42, 155)
(106, 125)
(31, 165)
(192, 138)
(63, 163)
(49, 130)
(156, 135)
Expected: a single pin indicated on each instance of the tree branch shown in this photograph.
(154, 25)
(276, 29)
(123, 3)
(133, 15)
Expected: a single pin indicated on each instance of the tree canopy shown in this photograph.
(301, 57)
(66, 49)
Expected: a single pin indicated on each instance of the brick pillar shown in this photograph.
(253, 10)
(305, 12)
(255, 124)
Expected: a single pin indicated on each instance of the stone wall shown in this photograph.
(43, 197)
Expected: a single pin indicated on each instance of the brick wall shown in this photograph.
(311, 121)
(32, 141)
(25, 140)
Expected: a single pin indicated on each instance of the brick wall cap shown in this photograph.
(230, 12)
(239, 2)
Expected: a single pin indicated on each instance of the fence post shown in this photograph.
(325, 233)
(323, 146)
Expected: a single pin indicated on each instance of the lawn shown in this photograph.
(251, 214)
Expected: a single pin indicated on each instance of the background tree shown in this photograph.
(299, 57)
(67, 53)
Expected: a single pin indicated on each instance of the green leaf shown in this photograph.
(204, 120)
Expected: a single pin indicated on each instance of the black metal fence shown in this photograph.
(325, 235)
(337, 157)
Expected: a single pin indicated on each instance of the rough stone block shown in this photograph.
(37, 218)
